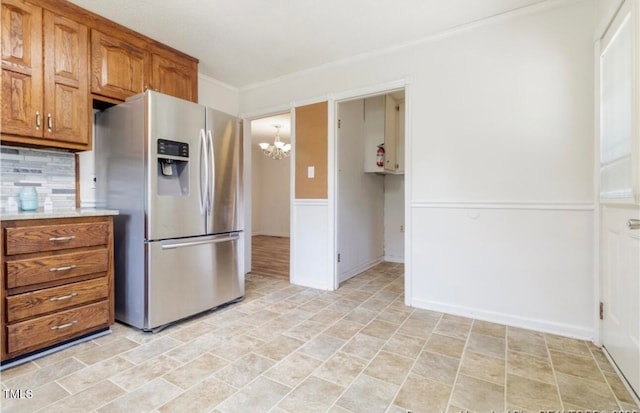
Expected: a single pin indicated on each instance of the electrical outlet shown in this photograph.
(401, 228)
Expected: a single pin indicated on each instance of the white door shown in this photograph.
(620, 194)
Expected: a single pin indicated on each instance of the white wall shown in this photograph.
(270, 195)
(502, 121)
(218, 95)
(360, 199)
(394, 218)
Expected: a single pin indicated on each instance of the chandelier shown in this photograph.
(279, 149)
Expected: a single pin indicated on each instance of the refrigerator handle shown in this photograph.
(194, 243)
(211, 187)
(203, 162)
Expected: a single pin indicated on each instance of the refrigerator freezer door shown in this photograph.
(191, 275)
(224, 188)
(173, 202)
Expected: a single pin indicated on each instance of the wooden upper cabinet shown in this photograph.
(45, 82)
(119, 68)
(66, 74)
(177, 78)
(22, 75)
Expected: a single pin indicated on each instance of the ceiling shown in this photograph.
(242, 42)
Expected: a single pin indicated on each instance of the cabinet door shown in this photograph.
(174, 77)
(390, 149)
(21, 68)
(66, 65)
(118, 68)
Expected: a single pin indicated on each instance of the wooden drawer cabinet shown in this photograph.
(48, 300)
(175, 77)
(57, 281)
(28, 239)
(43, 331)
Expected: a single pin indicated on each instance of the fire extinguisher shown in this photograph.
(380, 155)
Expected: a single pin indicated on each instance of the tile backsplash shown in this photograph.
(51, 173)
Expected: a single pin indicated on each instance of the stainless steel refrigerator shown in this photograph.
(172, 169)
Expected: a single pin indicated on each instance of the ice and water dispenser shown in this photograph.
(173, 168)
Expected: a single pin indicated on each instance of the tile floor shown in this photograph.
(293, 349)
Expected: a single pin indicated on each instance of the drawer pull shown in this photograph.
(65, 268)
(69, 238)
(64, 297)
(63, 326)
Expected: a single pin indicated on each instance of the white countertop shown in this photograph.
(57, 213)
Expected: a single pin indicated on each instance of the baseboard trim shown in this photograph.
(507, 319)
(309, 282)
(271, 234)
(394, 259)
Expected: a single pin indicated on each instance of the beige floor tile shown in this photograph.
(526, 341)
(574, 365)
(368, 395)
(338, 409)
(479, 395)
(405, 345)
(279, 348)
(487, 345)
(391, 316)
(618, 387)
(380, 329)
(42, 396)
(200, 398)
(389, 367)
(18, 370)
(532, 394)
(305, 330)
(361, 315)
(419, 394)
(143, 399)
(66, 353)
(602, 361)
(313, 395)
(437, 367)
(489, 329)
(93, 374)
(452, 327)
(150, 350)
(314, 305)
(448, 346)
(343, 329)
(630, 407)
(415, 328)
(328, 316)
(114, 348)
(293, 370)
(235, 347)
(586, 393)
(196, 370)
(258, 397)
(483, 367)
(322, 347)
(260, 317)
(568, 345)
(192, 331)
(45, 375)
(341, 369)
(88, 399)
(363, 346)
(141, 374)
(242, 371)
(189, 351)
(530, 366)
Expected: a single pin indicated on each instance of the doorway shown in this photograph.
(369, 183)
(270, 197)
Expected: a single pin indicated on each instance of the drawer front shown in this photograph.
(25, 240)
(58, 267)
(43, 331)
(39, 302)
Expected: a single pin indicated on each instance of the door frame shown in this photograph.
(360, 93)
(247, 183)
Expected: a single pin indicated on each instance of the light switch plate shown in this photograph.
(311, 172)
